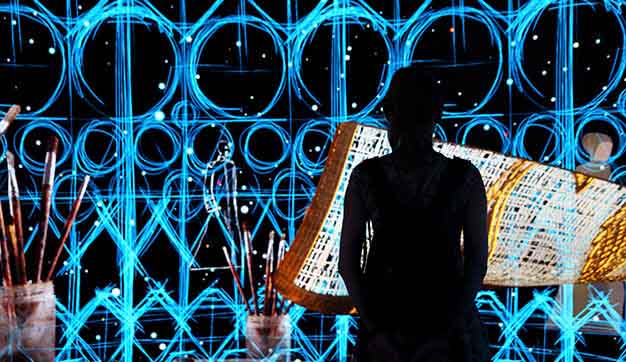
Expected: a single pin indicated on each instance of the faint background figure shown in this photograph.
(415, 293)
(599, 147)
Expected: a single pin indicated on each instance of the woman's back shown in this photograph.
(412, 281)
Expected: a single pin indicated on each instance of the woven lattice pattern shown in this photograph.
(319, 273)
(546, 225)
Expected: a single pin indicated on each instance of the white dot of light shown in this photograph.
(509, 82)
(31, 41)
(38, 142)
(197, 76)
(347, 57)
(159, 115)
(314, 107)
(189, 39)
(28, 108)
(353, 104)
(52, 50)
(238, 43)
(553, 99)
(486, 127)
(190, 151)
(162, 346)
(598, 41)
(161, 86)
(244, 209)
(535, 37)
(576, 44)
(115, 292)
(98, 337)
(153, 335)
(544, 72)
(317, 148)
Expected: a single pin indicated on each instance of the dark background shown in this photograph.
(107, 114)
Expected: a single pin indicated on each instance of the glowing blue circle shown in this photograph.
(258, 165)
(201, 38)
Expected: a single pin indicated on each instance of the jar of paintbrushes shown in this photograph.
(27, 305)
(268, 327)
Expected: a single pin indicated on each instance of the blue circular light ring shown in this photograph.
(141, 15)
(308, 166)
(528, 19)
(174, 179)
(57, 41)
(197, 47)
(424, 22)
(151, 166)
(306, 30)
(519, 148)
(594, 116)
(463, 132)
(86, 207)
(198, 164)
(90, 167)
(258, 165)
(180, 111)
(32, 165)
(289, 174)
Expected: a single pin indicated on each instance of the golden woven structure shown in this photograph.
(547, 225)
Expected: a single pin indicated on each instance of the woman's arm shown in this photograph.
(475, 242)
(351, 244)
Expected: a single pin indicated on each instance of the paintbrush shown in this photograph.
(282, 249)
(268, 274)
(237, 281)
(246, 240)
(276, 306)
(14, 249)
(68, 226)
(46, 200)
(16, 216)
(7, 279)
(8, 119)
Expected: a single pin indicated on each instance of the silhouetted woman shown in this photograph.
(415, 290)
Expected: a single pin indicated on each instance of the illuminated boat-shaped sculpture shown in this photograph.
(547, 225)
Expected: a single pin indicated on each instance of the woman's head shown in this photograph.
(412, 105)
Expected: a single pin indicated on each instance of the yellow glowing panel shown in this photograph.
(547, 225)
